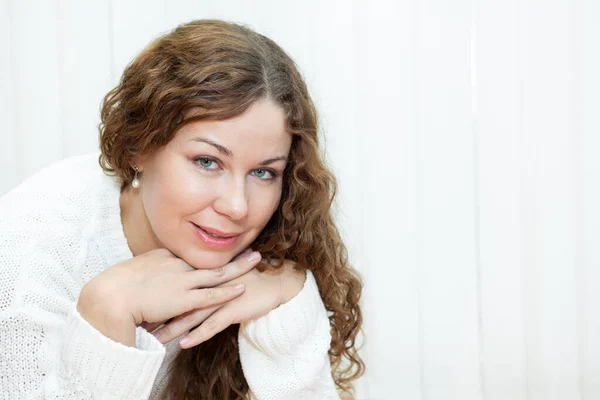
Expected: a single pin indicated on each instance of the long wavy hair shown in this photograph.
(223, 68)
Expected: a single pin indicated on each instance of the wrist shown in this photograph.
(291, 284)
(115, 325)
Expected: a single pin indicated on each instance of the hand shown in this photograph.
(265, 291)
(155, 287)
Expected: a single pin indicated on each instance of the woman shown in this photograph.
(210, 215)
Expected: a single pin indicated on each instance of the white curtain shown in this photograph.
(466, 138)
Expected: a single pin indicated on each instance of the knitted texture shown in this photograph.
(62, 227)
(288, 349)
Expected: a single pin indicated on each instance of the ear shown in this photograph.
(139, 161)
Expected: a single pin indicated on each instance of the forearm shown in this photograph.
(285, 353)
(70, 359)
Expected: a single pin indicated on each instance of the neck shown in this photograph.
(138, 231)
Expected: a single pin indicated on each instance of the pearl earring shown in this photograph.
(135, 182)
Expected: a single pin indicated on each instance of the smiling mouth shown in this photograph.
(217, 234)
(215, 239)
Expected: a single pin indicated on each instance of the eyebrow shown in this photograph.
(229, 153)
(272, 160)
(222, 150)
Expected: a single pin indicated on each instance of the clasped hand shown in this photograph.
(157, 288)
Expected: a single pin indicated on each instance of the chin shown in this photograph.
(208, 259)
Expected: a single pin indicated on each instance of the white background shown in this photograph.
(466, 138)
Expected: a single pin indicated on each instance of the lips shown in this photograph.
(214, 238)
(217, 233)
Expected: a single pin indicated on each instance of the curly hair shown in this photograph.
(223, 68)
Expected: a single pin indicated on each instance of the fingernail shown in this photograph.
(156, 334)
(239, 287)
(185, 341)
(255, 255)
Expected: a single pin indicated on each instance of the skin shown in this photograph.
(235, 194)
(225, 175)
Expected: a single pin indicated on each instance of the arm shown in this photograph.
(47, 349)
(67, 358)
(284, 354)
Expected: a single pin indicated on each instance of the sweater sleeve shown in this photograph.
(284, 354)
(77, 363)
(47, 350)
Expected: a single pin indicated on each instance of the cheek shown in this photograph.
(263, 203)
(172, 195)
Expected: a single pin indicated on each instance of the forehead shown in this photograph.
(261, 125)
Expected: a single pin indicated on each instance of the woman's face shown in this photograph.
(210, 192)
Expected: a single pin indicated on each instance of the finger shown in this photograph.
(214, 277)
(183, 323)
(243, 253)
(209, 297)
(209, 328)
(167, 259)
(151, 326)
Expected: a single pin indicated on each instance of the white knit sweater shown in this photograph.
(62, 227)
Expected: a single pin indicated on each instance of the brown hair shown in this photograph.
(223, 68)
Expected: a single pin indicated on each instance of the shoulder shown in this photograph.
(66, 176)
(69, 182)
(66, 214)
(70, 188)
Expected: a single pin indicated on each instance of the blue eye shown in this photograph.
(206, 163)
(264, 174)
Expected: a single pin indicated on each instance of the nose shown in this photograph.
(231, 201)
